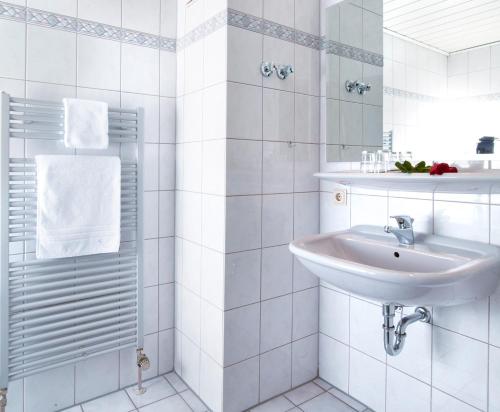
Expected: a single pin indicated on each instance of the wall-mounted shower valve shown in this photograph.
(362, 88)
(267, 68)
(284, 71)
(350, 85)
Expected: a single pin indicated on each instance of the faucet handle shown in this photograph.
(404, 221)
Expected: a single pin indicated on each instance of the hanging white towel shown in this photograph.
(78, 205)
(85, 124)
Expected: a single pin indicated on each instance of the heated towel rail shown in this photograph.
(55, 312)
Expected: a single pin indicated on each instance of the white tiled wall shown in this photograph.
(247, 320)
(451, 364)
(455, 358)
(474, 72)
(48, 63)
(439, 93)
(422, 74)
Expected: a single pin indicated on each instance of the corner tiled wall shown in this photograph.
(272, 198)
(51, 57)
(247, 320)
(200, 200)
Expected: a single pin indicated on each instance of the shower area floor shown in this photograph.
(168, 393)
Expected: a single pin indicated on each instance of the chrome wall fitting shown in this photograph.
(362, 88)
(3, 400)
(142, 364)
(284, 71)
(394, 337)
(267, 68)
(350, 85)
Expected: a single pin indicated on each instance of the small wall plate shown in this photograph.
(340, 197)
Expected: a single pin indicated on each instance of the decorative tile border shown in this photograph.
(353, 53)
(12, 12)
(272, 29)
(245, 21)
(208, 27)
(85, 27)
(229, 17)
(390, 91)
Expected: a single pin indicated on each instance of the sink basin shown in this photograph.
(436, 270)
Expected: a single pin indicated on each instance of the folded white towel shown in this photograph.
(78, 210)
(85, 124)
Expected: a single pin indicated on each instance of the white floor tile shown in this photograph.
(279, 404)
(344, 397)
(323, 384)
(171, 404)
(176, 382)
(304, 393)
(193, 401)
(325, 403)
(157, 389)
(116, 402)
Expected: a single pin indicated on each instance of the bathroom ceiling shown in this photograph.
(448, 25)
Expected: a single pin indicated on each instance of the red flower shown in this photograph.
(439, 168)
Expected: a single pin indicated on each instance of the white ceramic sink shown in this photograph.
(368, 262)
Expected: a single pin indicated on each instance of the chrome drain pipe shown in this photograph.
(394, 337)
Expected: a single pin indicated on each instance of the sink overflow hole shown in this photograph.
(396, 254)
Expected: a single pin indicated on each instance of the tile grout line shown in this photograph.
(261, 220)
(157, 242)
(291, 147)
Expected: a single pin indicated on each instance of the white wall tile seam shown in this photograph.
(340, 99)
(295, 93)
(97, 89)
(263, 353)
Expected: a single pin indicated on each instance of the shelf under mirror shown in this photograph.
(462, 182)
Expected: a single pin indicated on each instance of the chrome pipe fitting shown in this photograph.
(350, 85)
(143, 363)
(395, 337)
(3, 400)
(267, 69)
(284, 71)
(362, 88)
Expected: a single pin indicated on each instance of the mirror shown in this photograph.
(437, 92)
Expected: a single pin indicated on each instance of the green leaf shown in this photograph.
(407, 167)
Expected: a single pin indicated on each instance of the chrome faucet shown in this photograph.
(404, 232)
